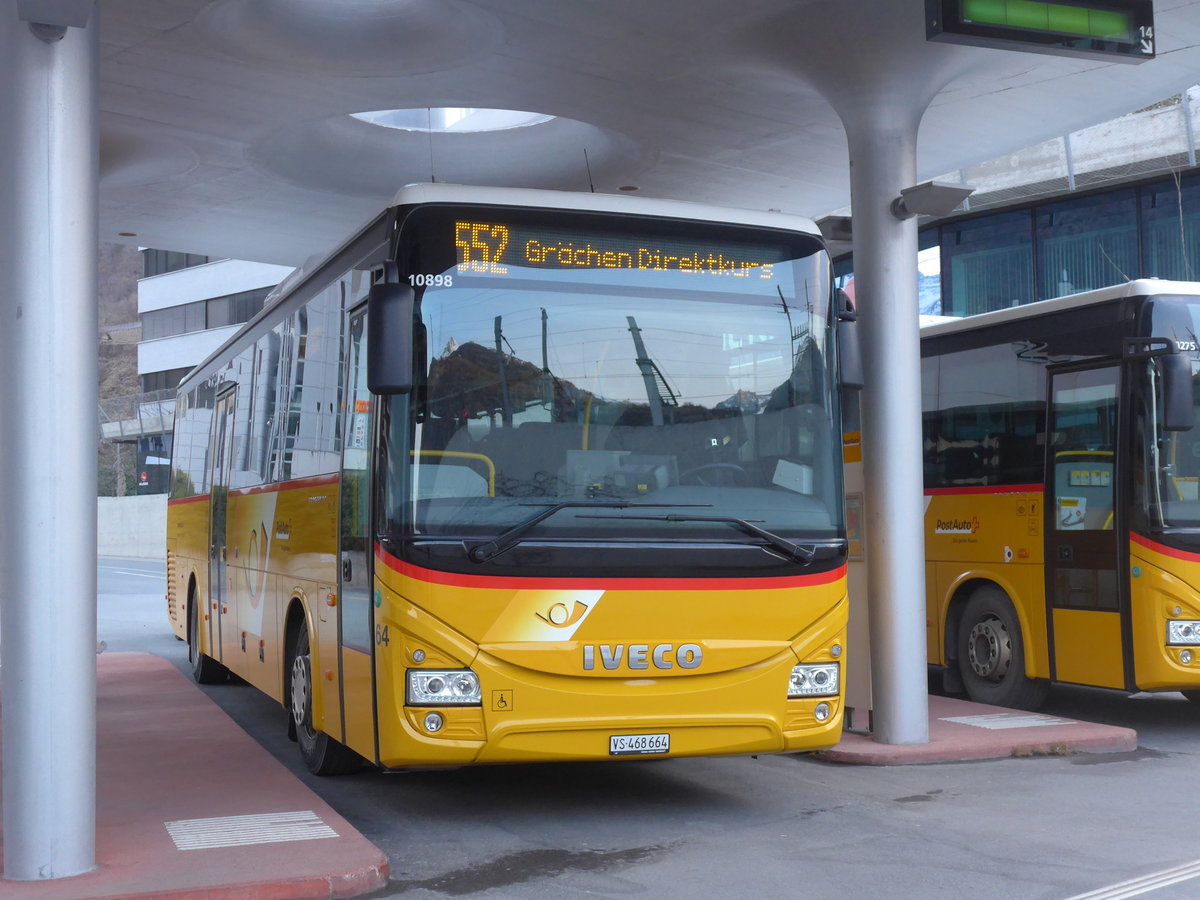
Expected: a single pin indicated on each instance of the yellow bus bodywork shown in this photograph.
(538, 701)
(1163, 588)
(995, 536)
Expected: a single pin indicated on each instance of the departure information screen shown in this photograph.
(493, 247)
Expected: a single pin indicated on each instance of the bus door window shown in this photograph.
(355, 497)
(1083, 550)
(355, 550)
(222, 458)
(1084, 440)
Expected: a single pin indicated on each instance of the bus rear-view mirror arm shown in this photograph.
(1179, 409)
(389, 338)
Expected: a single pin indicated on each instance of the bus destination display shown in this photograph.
(491, 248)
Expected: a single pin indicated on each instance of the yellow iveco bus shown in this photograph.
(523, 475)
(1062, 482)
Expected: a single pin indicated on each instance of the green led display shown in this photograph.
(1056, 18)
(1114, 30)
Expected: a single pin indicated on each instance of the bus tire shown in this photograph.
(1194, 696)
(205, 669)
(322, 755)
(991, 653)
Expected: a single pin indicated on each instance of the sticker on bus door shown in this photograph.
(1071, 511)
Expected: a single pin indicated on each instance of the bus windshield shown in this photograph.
(656, 386)
(1172, 458)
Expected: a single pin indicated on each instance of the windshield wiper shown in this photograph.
(799, 552)
(510, 538)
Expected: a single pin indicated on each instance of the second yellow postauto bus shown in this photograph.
(1062, 482)
(522, 475)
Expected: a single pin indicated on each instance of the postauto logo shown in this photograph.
(957, 526)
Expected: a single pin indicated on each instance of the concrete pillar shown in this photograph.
(882, 146)
(880, 77)
(48, 369)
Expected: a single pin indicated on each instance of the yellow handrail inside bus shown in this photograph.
(460, 455)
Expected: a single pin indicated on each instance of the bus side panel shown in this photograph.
(187, 552)
(304, 553)
(1024, 586)
(1162, 582)
(250, 608)
(993, 535)
(282, 546)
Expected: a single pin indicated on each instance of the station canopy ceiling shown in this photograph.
(271, 129)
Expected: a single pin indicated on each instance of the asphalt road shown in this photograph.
(772, 826)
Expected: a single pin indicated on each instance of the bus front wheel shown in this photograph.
(991, 653)
(205, 669)
(321, 753)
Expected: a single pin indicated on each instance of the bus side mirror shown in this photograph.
(1179, 410)
(390, 308)
(849, 350)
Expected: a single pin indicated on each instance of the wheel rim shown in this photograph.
(989, 649)
(301, 693)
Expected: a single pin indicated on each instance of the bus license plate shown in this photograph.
(638, 744)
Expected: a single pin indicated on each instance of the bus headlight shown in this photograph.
(442, 687)
(813, 680)
(1183, 632)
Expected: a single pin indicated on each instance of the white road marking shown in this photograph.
(997, 721)
(1145, 884)
(236, 831)
(158, 575)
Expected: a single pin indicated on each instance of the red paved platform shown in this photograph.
(961, 730)
(167, 759)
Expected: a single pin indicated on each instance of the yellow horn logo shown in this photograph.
(558, 616)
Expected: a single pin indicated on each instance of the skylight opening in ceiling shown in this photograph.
(451, 119)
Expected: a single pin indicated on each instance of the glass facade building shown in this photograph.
(1012, 256)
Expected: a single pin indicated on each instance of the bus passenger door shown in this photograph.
(1083, 589)
(218, 578)
(355, 550)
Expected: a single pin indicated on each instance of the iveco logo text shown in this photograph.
(640, 656)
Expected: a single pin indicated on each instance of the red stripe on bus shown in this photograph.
(616, 583)
(1185, 555)
(986, 489)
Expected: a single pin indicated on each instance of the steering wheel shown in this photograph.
(716, 475)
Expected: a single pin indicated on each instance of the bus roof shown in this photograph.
(617, 203)
(1141, 287)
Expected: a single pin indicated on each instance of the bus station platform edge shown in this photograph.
(190, 807)
(961, 730)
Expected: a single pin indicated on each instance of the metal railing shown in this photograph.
(138, 415)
